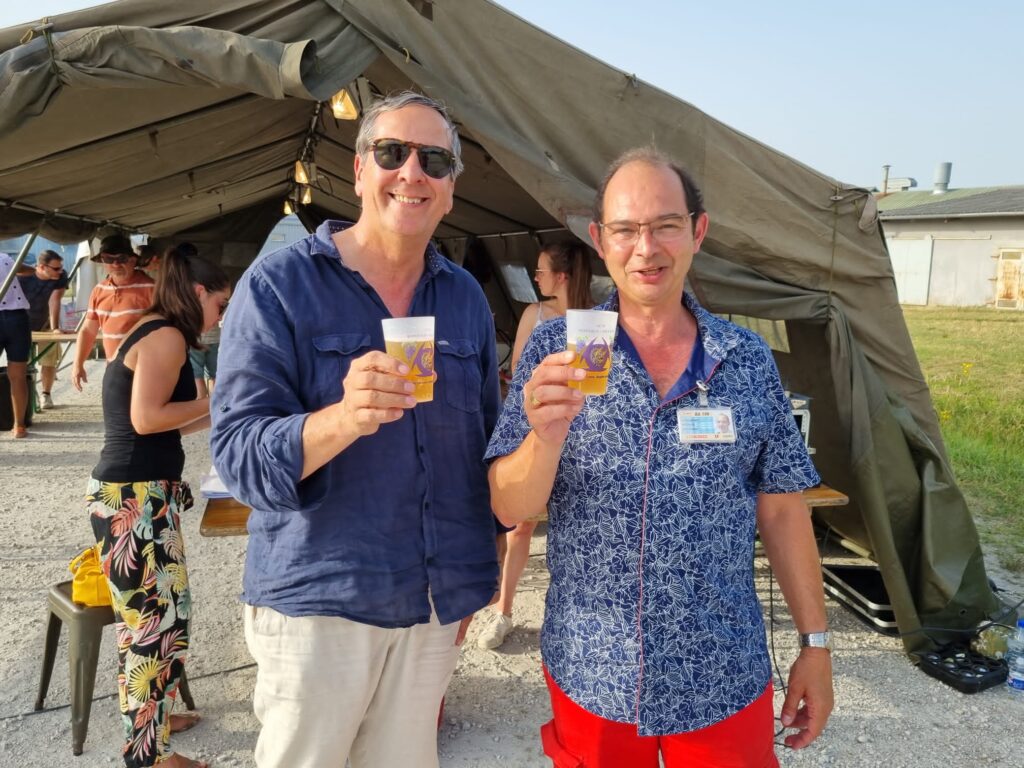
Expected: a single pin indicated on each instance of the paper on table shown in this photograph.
(212, 487)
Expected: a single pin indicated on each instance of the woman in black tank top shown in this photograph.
(136, 495)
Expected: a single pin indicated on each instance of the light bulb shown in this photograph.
(343, 107)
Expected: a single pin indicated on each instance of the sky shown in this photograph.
(842, 87)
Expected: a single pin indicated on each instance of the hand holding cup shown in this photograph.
(548, 398)
(377, 391)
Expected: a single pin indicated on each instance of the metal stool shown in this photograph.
(85, 631)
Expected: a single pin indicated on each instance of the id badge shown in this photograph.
(706, 425)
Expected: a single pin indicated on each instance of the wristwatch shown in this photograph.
(817, 640)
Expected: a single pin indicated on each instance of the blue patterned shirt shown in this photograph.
(651, 615)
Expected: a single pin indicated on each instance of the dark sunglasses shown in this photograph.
(391, 154)
(114, 259)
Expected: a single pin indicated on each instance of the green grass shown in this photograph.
(973, 360)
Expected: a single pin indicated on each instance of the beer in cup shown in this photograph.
(411, 340)
(590, 335)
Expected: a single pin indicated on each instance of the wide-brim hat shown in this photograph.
(115, 245)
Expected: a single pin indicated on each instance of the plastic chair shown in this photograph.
(85, 631)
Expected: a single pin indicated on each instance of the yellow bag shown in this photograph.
(89, 585)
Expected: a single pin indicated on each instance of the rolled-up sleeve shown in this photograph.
(258, 411)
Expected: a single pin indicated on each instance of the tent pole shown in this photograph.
(18, 261)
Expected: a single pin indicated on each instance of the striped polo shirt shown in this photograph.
(118, 308)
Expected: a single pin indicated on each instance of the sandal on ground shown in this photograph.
(184, 721)
(19, 432)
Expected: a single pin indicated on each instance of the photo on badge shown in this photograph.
(706, 425)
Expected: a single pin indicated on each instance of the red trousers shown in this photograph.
(576, 738)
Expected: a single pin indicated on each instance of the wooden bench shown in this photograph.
(228, 517)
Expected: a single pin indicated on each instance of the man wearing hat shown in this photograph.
(115, 305)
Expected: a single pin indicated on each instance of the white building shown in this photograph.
(959, 247)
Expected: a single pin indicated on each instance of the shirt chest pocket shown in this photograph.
(752, 432)
(332, 357)
(459, 376)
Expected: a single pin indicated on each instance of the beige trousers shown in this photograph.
(329, 689)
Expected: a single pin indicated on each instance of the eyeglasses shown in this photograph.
(108, 259)
(665, 230)
(53, 268)
(540, 271)
(391, 154)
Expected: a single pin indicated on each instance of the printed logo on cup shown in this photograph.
(590, 334)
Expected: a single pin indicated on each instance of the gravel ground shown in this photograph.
(887, 712)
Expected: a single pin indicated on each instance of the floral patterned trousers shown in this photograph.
(143, 556)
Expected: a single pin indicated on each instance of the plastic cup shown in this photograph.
(590, 334)
(411, 340)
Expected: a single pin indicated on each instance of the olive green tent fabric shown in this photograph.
(185, 119)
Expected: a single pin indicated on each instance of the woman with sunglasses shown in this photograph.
(136, 495)
(563, 278)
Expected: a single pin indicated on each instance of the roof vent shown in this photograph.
(892, 184)
(942, 174)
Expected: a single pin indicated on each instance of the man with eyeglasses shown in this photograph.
(371, 538)
(44, 287)
(115, 304)
(653, 639)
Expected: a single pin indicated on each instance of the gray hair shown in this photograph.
(651, 155)
(394, 102)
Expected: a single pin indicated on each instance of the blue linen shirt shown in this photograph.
(398, 515)
(651, 615)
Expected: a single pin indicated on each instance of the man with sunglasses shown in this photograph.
(44, 287)
(653, 640)
(371, 538)
(115, 304)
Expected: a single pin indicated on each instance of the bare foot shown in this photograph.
(180, 761)
(184, 721)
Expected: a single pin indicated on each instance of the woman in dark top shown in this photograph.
(136, 494)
